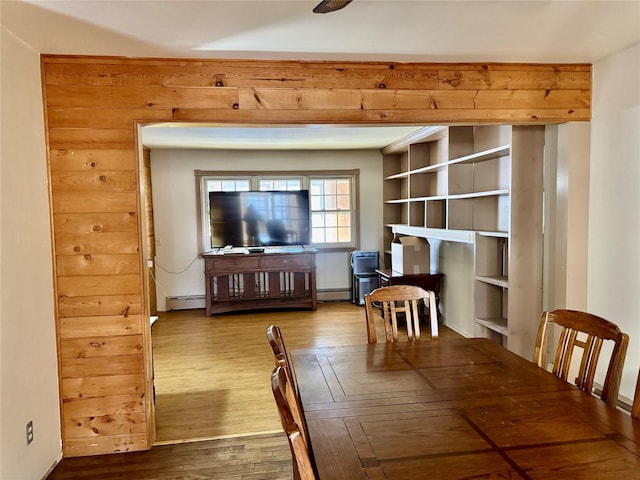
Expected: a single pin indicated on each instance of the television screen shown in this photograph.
(259, 219)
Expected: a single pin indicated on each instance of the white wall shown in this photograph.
(28, 361)
(613, 286)
(175, 203)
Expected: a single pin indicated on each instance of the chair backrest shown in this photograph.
(396, 299)
(274, 336)
(587, 332)
(276, 341)
(635, 409)
(292, 419)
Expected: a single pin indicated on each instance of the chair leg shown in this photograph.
(433, 315)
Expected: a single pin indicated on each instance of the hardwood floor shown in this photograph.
(212, 374)
(261, 457)
(215, 413)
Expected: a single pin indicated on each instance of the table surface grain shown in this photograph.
(454, 409)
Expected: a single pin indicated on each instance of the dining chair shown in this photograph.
(588, 333)
(292, 420)
(635, 408)
(396, 299)
(276, 341)
(274, 336)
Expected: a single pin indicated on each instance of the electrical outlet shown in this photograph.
(29, 432)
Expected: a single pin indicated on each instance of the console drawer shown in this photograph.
(287, 262)
(232, 263)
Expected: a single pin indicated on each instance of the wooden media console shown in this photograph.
(271, 279)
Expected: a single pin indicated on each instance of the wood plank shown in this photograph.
(91, 223)
(528, 116)
(97, 263)
(74, 447)
(79, 327)
(101, 346)
(414, 99)
(98, 306)
(108, 425)
(138, 97)
(108, 118)
(106, 243)
(91, 367)
(242, 76)
(108, 405)
(514, 80)
(93, 160)
(90, 387)
(283, 116)
(83, 181)
(98, 285)
(74, 202)
(299, 98)
(89, 138)
(534, 98)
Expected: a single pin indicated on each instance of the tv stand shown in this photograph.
(237, 281)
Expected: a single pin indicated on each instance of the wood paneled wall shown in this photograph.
(93, 107)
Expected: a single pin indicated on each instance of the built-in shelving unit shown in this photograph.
(480, 185)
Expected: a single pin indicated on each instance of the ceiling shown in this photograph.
(537, 31)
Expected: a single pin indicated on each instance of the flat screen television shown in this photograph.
(259, 219)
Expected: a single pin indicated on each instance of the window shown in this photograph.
(331, 210)
(332, 198)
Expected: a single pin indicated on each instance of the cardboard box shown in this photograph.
(410, 255)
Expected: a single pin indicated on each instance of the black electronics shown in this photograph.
(259, 219)
(364, 278)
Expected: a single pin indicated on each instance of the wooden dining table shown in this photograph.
(453, 409)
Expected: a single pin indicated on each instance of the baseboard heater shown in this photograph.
(188, 302)
(333, 295)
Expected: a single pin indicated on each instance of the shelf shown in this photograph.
(488, 193)
(430, 169)
(497, 280)
(398, 175)
(494, 234)
(418, 199)
(483, 156)
(428, 199)
(461, 236)
(498, 325)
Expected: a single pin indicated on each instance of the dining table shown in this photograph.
(460, 408)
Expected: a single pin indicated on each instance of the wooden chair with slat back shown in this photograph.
(587, 332)
(276, 341)
(292, 420)
(396, 299)
(635, 409)
(274, 336)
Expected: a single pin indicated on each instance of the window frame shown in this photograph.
(254, 177)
